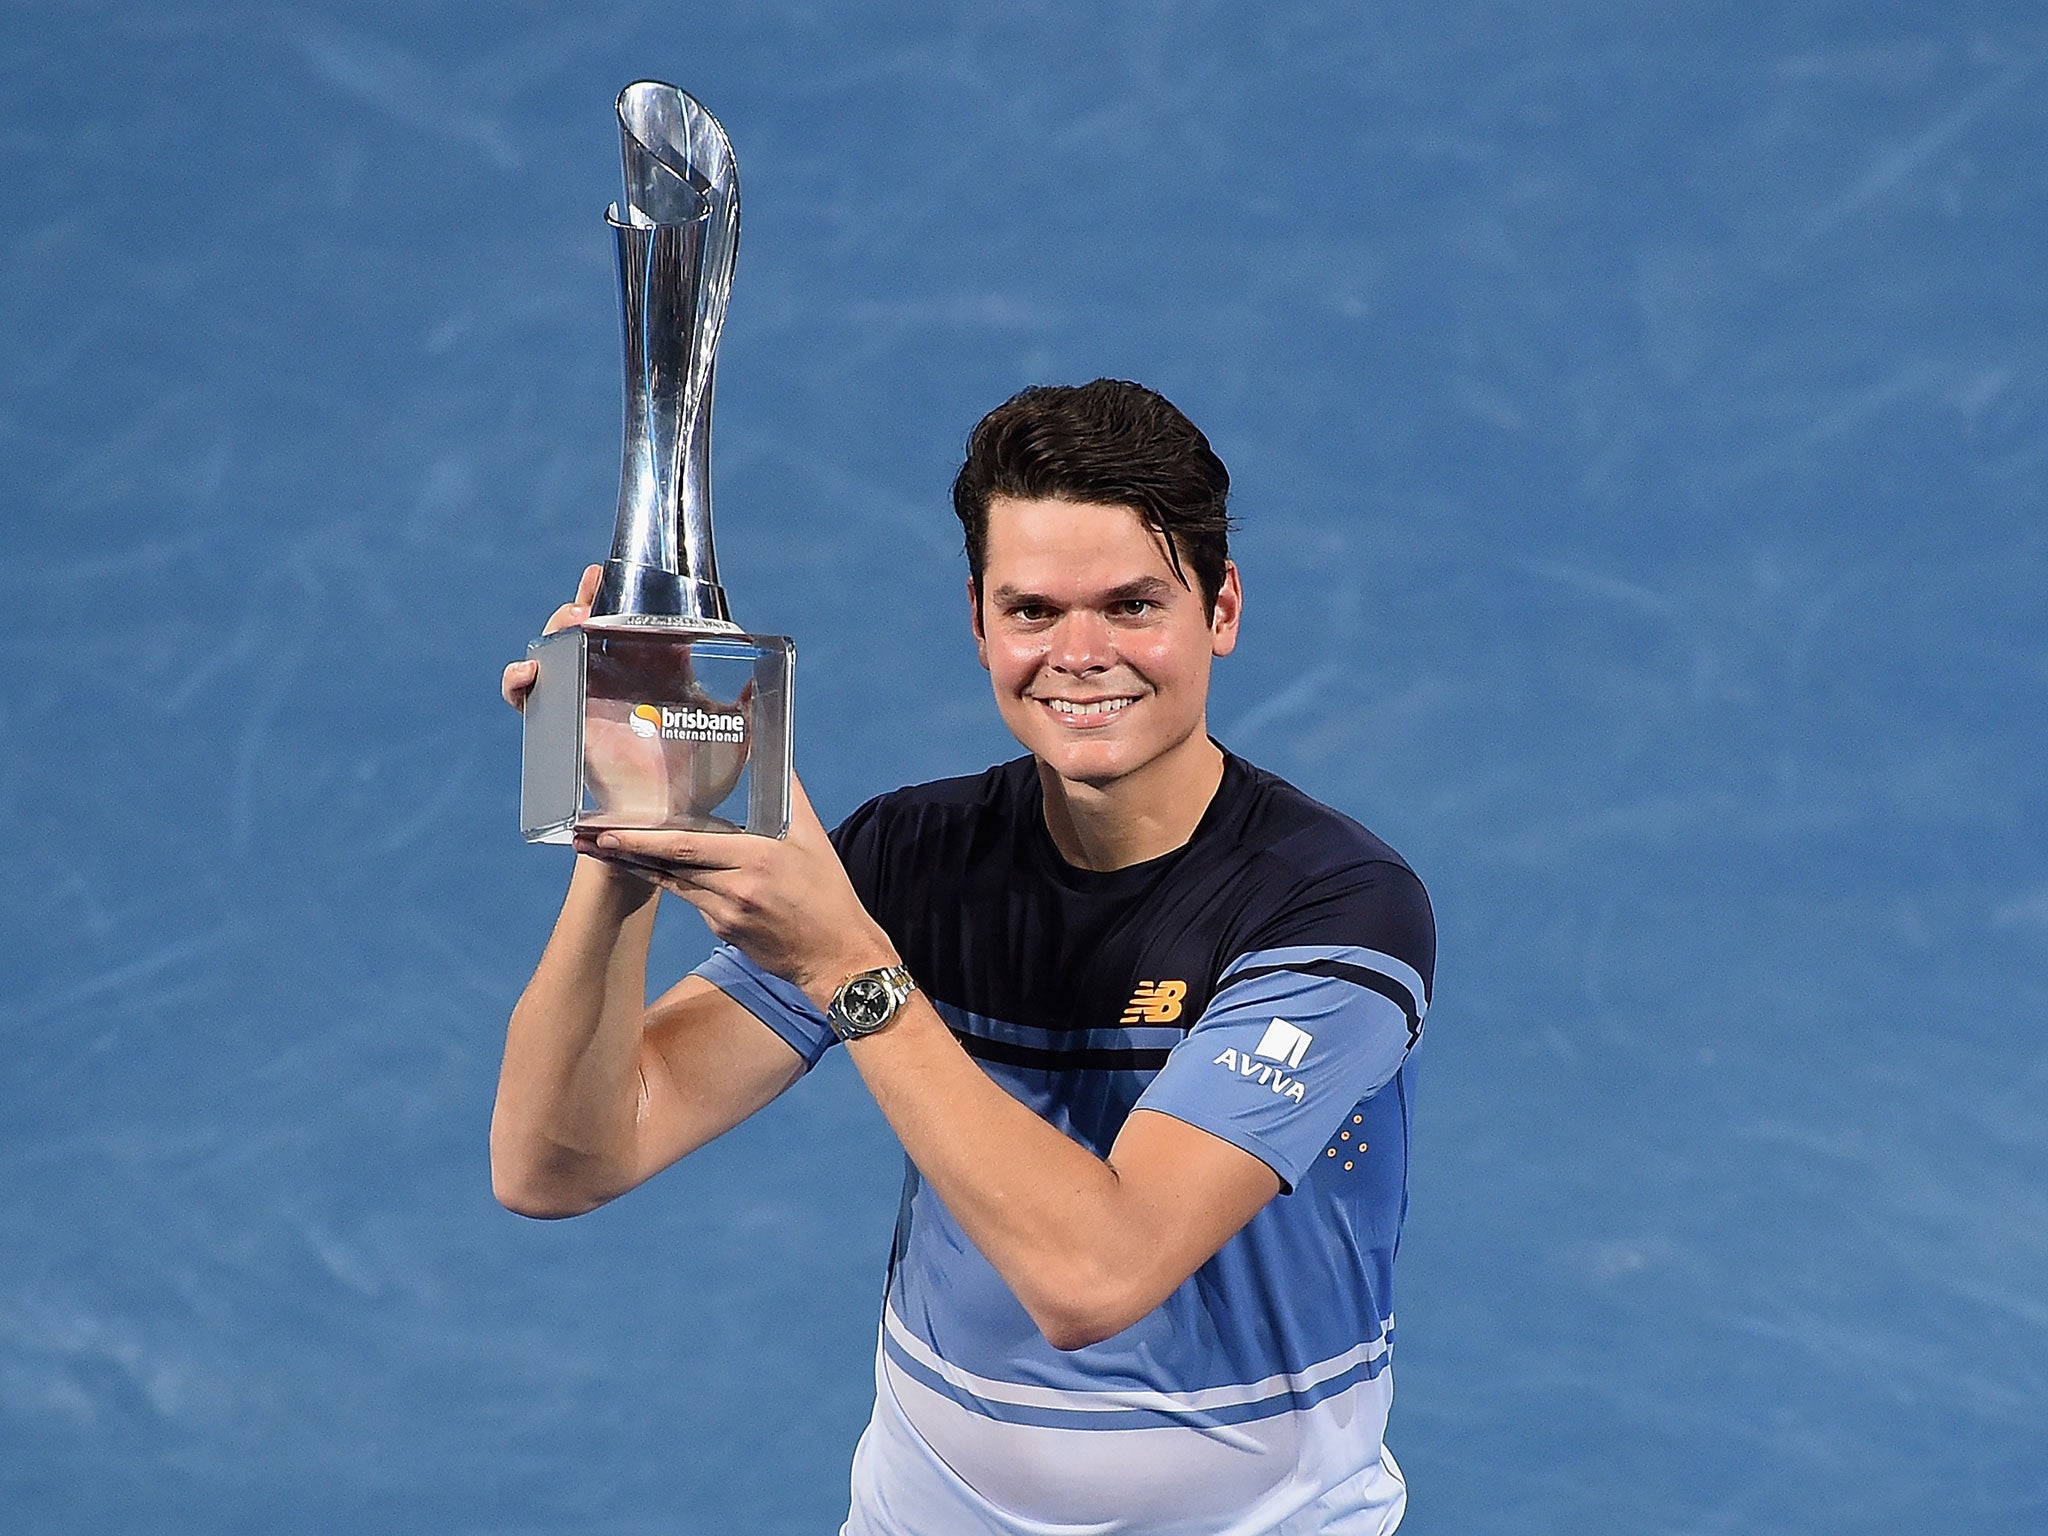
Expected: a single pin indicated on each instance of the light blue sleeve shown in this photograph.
(779, 1004)
(1293, 1040)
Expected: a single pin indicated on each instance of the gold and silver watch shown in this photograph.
(867, 1000)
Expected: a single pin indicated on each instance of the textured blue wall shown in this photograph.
(1638, 428)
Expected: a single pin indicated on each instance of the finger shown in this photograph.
(586, 840)
(585, 843)
(566, 615)
(667, 876)
(577, 610)
(683, 851)
(517, 683)
(701, 888)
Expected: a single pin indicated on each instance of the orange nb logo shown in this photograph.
(1155, 1002)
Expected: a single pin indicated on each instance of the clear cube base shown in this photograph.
(654, 728)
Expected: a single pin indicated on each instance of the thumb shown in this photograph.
(801, 815)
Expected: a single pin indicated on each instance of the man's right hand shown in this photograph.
(517, 682)
(630, 775)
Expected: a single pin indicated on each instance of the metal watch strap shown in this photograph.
(868, 1000)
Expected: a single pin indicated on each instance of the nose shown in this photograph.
(1081, 643)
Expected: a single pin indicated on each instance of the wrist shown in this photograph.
(822, 981)
(613, 884)
(868, 1001)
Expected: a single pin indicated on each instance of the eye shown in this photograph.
(1133, 607)
(1030, 613)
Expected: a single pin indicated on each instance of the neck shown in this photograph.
(1137, 817)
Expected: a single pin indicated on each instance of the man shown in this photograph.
(1140, 1013)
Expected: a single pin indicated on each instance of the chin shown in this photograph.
(1079, 760)
(1096, 764)
(1087, 769)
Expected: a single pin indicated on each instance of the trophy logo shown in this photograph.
(658, 711)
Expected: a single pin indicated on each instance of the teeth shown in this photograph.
(1100, 707)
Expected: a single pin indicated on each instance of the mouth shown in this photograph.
(1086, 713)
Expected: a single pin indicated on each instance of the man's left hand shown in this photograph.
(786, 902)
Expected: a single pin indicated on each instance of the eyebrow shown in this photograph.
(1145, 588)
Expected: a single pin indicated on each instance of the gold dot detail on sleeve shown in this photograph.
(1347, 1167)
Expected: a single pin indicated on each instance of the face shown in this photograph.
(1099, 656)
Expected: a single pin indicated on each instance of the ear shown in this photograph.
(1229, 609)
(974, 623)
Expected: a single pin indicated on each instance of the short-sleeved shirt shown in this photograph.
(1267, 983)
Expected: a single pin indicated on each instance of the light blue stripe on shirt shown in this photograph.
(1132, 1407)
(1395, 970)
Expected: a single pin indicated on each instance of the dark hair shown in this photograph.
(1110, 443)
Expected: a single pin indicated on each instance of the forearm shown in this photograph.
(563, 1130)
(1051, 1217)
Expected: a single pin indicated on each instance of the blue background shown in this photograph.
(1637, 422)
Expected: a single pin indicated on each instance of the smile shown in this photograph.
(1093, 708)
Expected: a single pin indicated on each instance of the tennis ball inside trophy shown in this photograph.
(658, 711)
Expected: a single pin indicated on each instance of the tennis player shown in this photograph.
(1142, 1014)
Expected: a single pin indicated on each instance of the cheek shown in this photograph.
(1160, 659)
(1010, 664)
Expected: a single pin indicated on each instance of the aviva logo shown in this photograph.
(1282, 1042)
(1155, 1002)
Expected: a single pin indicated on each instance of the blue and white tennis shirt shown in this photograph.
(1267, 983)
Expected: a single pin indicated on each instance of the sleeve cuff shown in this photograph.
(779, 1004)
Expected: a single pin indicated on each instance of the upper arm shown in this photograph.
(706, 1064)
(1186, 1193)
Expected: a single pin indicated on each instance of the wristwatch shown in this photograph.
(867, 1000)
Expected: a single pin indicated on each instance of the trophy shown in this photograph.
(657, 712)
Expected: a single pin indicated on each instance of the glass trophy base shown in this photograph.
(655, 728)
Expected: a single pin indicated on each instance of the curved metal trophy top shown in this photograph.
(676, 233)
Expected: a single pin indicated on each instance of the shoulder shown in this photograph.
(993, 793)
(945, 824)
(1326, 879)
(1286, 824)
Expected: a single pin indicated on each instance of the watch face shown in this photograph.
(865, 1002)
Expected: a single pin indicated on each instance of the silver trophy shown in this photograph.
(657, 711)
